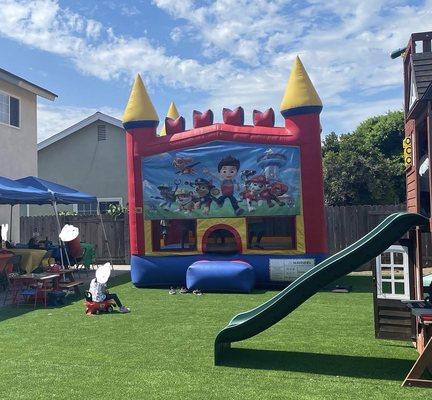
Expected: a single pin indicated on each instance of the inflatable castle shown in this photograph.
(224, 205)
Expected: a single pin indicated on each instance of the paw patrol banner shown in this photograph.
(222, 179)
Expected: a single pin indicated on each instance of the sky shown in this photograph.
(209, 54)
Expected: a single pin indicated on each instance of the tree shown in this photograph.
(366, 165)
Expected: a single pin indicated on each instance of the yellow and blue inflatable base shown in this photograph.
(165, 271)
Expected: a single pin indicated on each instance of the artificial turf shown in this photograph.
(164, 349)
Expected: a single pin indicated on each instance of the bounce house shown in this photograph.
(224, 205)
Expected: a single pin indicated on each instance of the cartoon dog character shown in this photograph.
(206, 193)
(272, 192)
(185, 200)
(247, 174)
(254, 186)
(167, 194)
(184, 165)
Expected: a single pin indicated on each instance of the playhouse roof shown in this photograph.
(173, 114)
(300, 95)
(139, 112)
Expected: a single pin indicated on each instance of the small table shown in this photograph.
(414, 377)
(41, 281)
(71, 282)
(419, 312)
(30, 258)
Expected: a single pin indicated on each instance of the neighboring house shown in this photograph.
(18, 133)
(89, 156)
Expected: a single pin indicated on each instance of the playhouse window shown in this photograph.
(271, 233)
(174, 234)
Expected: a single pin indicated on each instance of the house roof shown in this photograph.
(24, 84)
(422, 68)
(97, 116)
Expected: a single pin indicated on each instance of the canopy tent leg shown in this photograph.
(105, 236)
(62, 245)
(10, 223)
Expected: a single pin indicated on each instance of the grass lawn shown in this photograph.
(164, 349)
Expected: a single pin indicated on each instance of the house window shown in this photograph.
(104, 204)
(101, 133)
(9, 110)
(174, 234)
(271, 233)
(92, 208)
(87, 209)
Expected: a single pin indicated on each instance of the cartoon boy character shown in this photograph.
(228, 168)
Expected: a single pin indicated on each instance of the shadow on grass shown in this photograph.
(359, 284)
(320, 364)
(12, 311)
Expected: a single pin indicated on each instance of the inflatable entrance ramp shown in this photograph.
(250, 323)
(220, 276)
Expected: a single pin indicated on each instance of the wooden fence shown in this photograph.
(90, 227)
(347, 224)
(344, 226)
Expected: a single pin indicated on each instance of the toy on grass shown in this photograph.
(94, 307)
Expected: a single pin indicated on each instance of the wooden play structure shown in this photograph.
(399, 270)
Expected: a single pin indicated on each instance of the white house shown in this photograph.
(18, 133)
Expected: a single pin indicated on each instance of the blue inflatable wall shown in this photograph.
(163, 271)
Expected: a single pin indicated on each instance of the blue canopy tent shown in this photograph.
(12, 192)
(60, 194)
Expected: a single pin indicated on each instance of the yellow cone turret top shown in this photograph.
(173, 114)
(300, 95)
(139, 112)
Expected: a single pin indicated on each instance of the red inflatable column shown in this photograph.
(140, 121)
(301, 107)
(312, 181)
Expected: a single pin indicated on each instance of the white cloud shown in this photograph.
(236, 27)
(44, 25)
(345, 46)
(350, 114)
(247, 47)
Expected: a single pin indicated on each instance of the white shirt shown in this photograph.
(424, 173)
(97, 290)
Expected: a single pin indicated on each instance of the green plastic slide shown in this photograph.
(250, 323)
